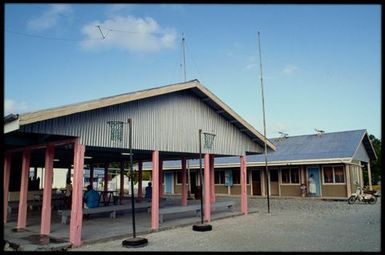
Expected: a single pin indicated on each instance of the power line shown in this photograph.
(50, 38)
(134, 32)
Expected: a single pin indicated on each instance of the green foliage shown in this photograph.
(376, 164)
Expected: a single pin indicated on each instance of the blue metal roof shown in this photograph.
(304, 147)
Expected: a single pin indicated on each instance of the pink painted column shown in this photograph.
(22, 215)
(77, 196)
(184, 181)
(161, 188)
(140, 178)
(105, 195)
(106, 176)
(212, 181)
(92, 175)
(155, 191)
(7, 173)
(206, 182)
(121, 193)
(243, 170)
(45, 225)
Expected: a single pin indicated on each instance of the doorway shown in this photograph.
(315, 172)
(274, 189)
(256, 177)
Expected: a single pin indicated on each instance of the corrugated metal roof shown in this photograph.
(194, 85)
(304, 147)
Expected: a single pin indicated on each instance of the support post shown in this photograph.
(77, 195)
(184, 186)
(92, 174)
(206, 182)
(35, 173)
(303, 174)
(348, 183)
(22, 215)
(45, 226)
(7, 174)
(263, 182)
(370, 176)
(212, 180)
(155, 191)
(140, 179)
(106, 164)
(161, 188)
(105, 188)
(121, 193)
(243, 170)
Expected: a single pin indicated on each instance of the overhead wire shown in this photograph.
(50, 38)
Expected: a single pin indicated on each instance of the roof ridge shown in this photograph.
(335, 132)
(108, 97)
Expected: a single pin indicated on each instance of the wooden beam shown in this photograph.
(184, 182)
(22, 215)
(45, 225)
(155, 191)
(7, 173)
(76, 223)
(243, 174)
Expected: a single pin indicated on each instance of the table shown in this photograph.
(106, 197)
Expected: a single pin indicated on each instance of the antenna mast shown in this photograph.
(264, 128)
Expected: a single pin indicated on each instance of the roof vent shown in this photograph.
(319, 132)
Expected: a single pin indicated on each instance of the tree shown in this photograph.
(376, 164)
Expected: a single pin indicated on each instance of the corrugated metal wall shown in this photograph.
(361, 154)
(166, 123)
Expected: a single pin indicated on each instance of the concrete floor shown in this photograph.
(101, 227)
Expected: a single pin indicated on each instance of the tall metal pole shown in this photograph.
(184, 58)
(132, 179)
(200, 171)
(135, 241)
(264, 126)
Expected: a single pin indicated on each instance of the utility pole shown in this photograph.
(184, 57)
(264, 127)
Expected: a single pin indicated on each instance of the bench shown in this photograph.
(192, 208)
(30, 204)
(65, 214)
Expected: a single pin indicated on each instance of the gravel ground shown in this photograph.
(291, 225)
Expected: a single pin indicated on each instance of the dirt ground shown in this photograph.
(292, 225)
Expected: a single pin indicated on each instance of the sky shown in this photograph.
(321, 64)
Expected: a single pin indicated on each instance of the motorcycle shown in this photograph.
(360, 195)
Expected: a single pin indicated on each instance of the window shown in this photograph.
(236, 177)
(285, 175)
(219, 176)
(333, 174)
(294, 175)
(339, 174)
(290, 175)
(328, 174)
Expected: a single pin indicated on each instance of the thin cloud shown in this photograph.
(129, 33)
(289, 69)
(11, 106)
(114, 9)
(49, 18)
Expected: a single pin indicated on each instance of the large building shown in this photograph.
(336, 161)
(157, 124)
